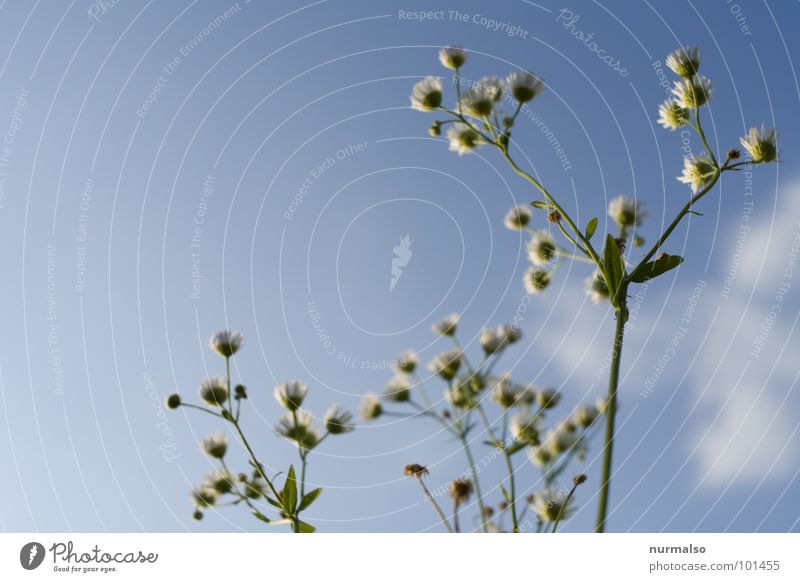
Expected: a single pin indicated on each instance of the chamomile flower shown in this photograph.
(694, 92)
(561, 440)
(494, 86)
(215, 445)
(504, 391)
(672, 114)
(697, 172)
(204, 497)
(761, 144)
(518, 217)
(586, 415)
(684, 61)
(446, 364)
(525, 428)
(446, 326)
(370, 407)
(214, 391)
(463, 139)
(510, 333)
(539, 456)
(427, 94)
(338, 420)
(596, 288)
(541, 248)
(551, 505)
(536, 280)
(524, 86)
(226, 343)
(406, 362)
(290, 395)
(626, 212)
(453, 57)
(460, 396)
(491, 342)
(478, 101)
(298, 428)
(397, 389)
(219, 480)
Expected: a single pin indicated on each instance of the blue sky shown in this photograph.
(171, 169)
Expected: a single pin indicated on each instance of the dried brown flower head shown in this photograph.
(460, 490)
(554, 217)
(415, 470)
(502, 506)
(733, 154)
(488, 512)
(578, 479)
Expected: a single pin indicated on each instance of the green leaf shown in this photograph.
(261, 516)
(309, 498)
(694, 212)
(613, 269)
(543, 204)
(307, 527)
(290, 493)
(655, 268)
(274, 503)
(591, 227)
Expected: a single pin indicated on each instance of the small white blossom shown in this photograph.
(524, 86)
(494, 86)
(226, 343)
(427, 94)
(447, 325)
(491, 342)
(541, 248)
(518, 217)
(552, 505)
(370, 407)
(561, 440)
(215, 445)
(406, 362)
(463, 139)
(525, 428)
(697, 172)
(338, 420)
(596, 288)
(304, 434)
(672, 114)
(505, 392)
(684, 61)
(446, 364)
(626, 211)
(761, 144)
(539, 456)
(693, 93)
(478, 101)
(290, 395)
(214, 391)
(510, 333)
(453, 57)
(536, 280)
(397, 389)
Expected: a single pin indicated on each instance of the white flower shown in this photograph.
(370, 407)
(541, 248)
(561, 440)
(460, 395)
(693, 93)
(552, 505)
(586, 415)
(548, 398)
(697, 172)
(214, 391)
(204, 497)
(427, 94)
(491, 342)
(304, 434)
(406, 362)
(494, 86)
(447, 325)
(463, 139)
(510, 333)
(626, 211)
(226, 343)
(539, 456)
(685, 61)
(536, 280)
(505, 392)
(215, 445)
(219, 480)
(596, 288)
(525, 428)
(397, 389)
(524, 86)
(290, 395)
(672, 114)
(453, 57)
(338, 420)
(518, 217)
(761, 144)
(478, 101)
(446, 364)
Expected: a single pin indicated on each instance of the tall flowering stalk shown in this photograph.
(258, 490)
(518, 426)
(478, 119)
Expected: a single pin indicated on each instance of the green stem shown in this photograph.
(509, 466)
(610, 412)
(436, 507)
(564, 506)
(475, 481)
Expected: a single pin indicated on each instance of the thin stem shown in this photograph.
(455, 516)
(436, 507)
(564, 506)
(256, 463)
(509, 466)
(475, 481)
(202, 408)
(610, 411)
(228, 378)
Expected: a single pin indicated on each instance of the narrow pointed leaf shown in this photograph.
(613, 268)
(309, 498)
(591, 227)
(261, 516)
(655, 268)
(274, 503)
(543, 204)
(290, 492)
(307, 527)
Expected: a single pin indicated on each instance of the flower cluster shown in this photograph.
(257, 490)
(522, 409)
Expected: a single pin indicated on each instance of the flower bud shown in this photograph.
(173, 401)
